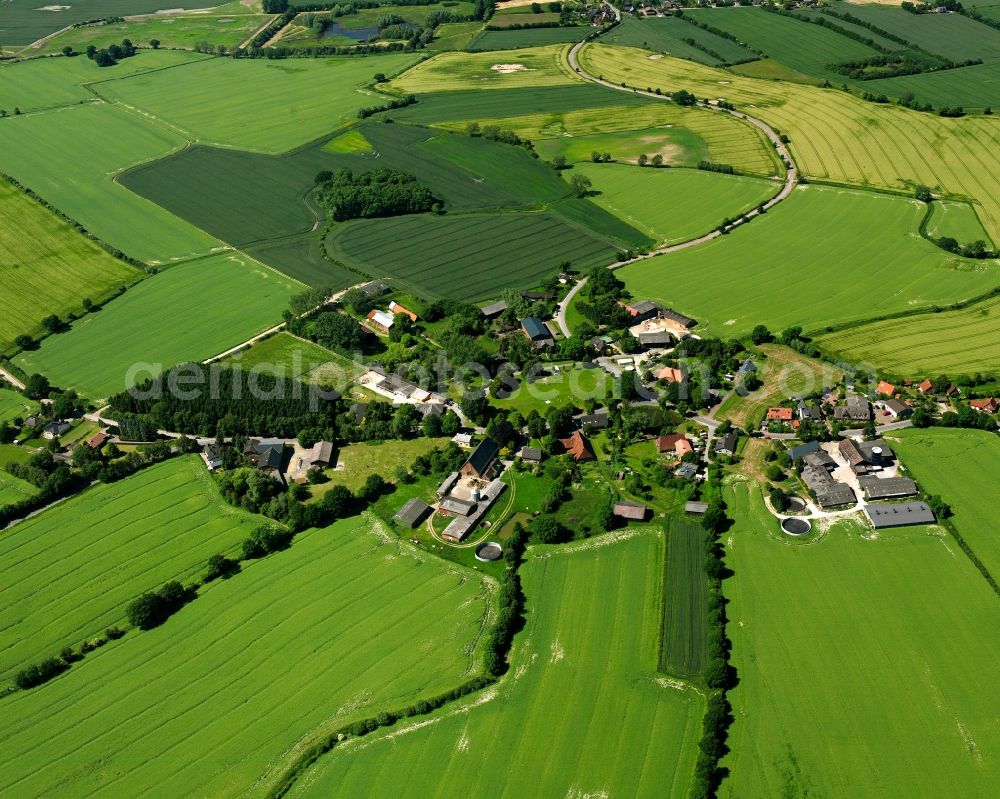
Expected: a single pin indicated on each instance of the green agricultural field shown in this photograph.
(669, 34)
(70, 157)
(824, 256)
(65, 579)
(257, 104)
(952, 36)
(511, 69)
(50, 82)
(683, 136)
(582, 666)
(684, 648)
(909, 676)
(837, 136)
(803, 47)
(454, 36)
(14, 405)
(953, 342)
(176, 31)
(23, 23)
(673, 205)
(13, 489)
(300, 258)
(428, 255)
(47, 267)
(975, 87)
(290, 356)
(957, 220)
(960, 467)
(189, 312)
(528, 37)
(224, 696)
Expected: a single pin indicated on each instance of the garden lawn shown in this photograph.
(363, 459)
(822, 257)
(257, 104)
(584, 664)
(290, 356)
(926, 345)
(189, 312)
(225, 695)
(47, 267)
(960, 466)
(673, 205)
(837, 136)
(853, 646)
(572, 384)
(70, 157)
(510, 69)
(70, 572)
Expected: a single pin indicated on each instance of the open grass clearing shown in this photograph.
(836, 136)
(454, 36)
(928, 344)
(361, 460)
(186, 313)
(673, 205)
(785, 373)
(14, 405)
(334, 629)
(581, 666)
(71, 156)
(909, 607)
(236, 102)
(511, 69)
(70, 572)
(290, 356)
(572, 384)
(824, 256)
(957, 220)
(13, 489)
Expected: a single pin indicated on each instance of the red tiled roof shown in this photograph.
(926, 386)
(888, 389)
(578, 447)
(779, 414)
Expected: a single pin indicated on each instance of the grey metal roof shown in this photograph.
(535, 328)
(412, 513)
(835, 493)
(531, 454)
(888, 487)
(679, 318)
(462, 507)
(495, 309)
(899, 514)
(866, 448)
(695, 507)
(799, 452)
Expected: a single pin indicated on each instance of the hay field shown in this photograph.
(849, 648)
(224, 695)
(582, 667)
(837, 136)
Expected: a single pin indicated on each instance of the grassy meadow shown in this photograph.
(140, 333)
(853, 646)
(448, 72)
(824, 256)
(361, 460)
(47, 267)
(224, 696)
(70, 156)
(235, 102)
(958, 220)
(291, 356)
(13, 489)
(13, 405)
(673, 205)
(65, 581)
(836, 136)
(960, 466)
(928, 344)
(582, 666)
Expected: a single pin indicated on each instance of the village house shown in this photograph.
(483, 460)
(531, 455)
(578, 447)
(854, 409)
(675, 443)
(642, 310)
(810, 412)
(726, 445)
(54, 429)
(925, 387)
(381, 320)
(396, 308)
(595, 421)
(494, 310)
(98, 440)
(670, 374)
(687, 471)
(780, 414)
(897, 409)
(988, 405)
(885, 389)
(211, 454)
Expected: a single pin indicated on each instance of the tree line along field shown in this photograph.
(582, 667)
(669, 34)
(975, 87)
(836, 136)
(69, 157)
(961, 342)
(225, 695)
(222, 300)
(960, 466)
(65, 582)
(47, 267)
(851, 648)
(171, 31)
(233, 102)
(637, 196)
(824, 256)
(684, 136)
(510, 69)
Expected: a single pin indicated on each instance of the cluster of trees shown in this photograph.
(39, 673)
(388, 105)
(711, 166)
(879, 66)
(510, 605)
(927, 8)
(153, 608)
(51, 477)
(384, 192)
(977, 249)
(497, 134)
(111, 55)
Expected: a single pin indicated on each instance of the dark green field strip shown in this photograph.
(668, 34)
(971, 87)
(592, 217)
(528, 37)
(467, 257)
(26, 22)
(685, 604)
(300, 257)
(498, 103)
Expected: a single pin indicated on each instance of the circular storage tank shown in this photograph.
(489, 551)
(796, 504)
(794, 526)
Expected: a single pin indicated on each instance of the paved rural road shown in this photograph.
(11, 379)
(564, 304)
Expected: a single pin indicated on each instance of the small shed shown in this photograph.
(412, 513)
